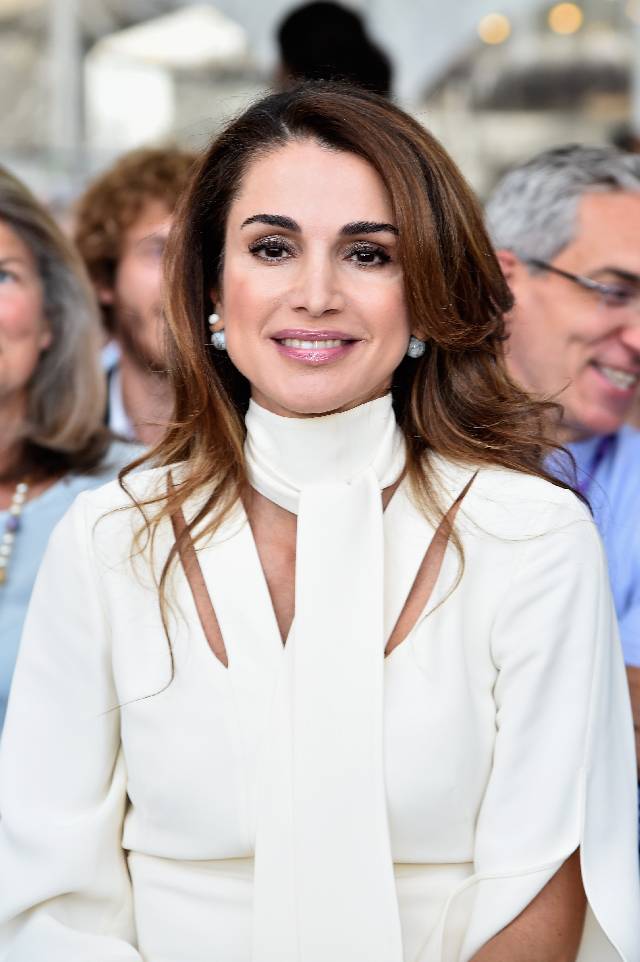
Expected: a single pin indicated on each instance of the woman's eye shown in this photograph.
(5, 276)
(368, 256)
(271, 250)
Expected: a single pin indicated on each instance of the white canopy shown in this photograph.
(194, 36)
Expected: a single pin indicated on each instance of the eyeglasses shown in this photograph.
(625, 294)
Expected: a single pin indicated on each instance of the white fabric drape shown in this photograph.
(322, 833)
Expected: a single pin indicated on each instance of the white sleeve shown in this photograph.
(563, 773)
(65, 893)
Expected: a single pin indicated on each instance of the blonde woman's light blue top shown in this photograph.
(37, 521)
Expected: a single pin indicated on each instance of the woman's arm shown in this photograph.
(550, 928)
(562, 777)
(65, 894)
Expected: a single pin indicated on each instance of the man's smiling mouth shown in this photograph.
(617, 377)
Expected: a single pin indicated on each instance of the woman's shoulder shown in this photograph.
(137, 487)
(515, 487)
(511, 503)
(108, 513)
(104, 522)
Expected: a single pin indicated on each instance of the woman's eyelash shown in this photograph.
(273, 244)
(371, 249)
(272, 249)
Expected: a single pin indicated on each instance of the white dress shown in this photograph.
(129, 803)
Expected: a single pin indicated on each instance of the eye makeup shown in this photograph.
(364, 254)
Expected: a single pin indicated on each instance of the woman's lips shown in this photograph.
(314, 347)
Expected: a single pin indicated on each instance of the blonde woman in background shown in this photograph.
(52, 399)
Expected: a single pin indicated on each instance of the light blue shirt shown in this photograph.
(613, 491)
(38, 519)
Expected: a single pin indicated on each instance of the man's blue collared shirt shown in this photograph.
(612, 486)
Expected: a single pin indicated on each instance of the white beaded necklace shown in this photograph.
(11, 527)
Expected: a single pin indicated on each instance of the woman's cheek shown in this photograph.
(19, 317)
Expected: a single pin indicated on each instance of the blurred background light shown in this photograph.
(495, 80)
(191, 37)
(565, 18)
(632, 10)
(494, 28)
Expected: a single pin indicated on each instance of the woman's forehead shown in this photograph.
(312, 185)
(13, 245)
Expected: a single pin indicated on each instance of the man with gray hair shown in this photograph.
(566, 226)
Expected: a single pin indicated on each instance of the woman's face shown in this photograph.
(24, 331)
(312, 295)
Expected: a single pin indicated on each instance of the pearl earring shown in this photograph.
(416, 347)
(218, 339)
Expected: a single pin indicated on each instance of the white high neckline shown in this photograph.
(285, 455)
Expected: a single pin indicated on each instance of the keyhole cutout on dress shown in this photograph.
(280, 575)
(277, 552)
(276, 547)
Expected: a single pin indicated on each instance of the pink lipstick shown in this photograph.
(314, 347)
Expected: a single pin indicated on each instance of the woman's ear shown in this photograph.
(215, 320)
(46, 336)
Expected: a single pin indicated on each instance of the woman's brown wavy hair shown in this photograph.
(457, 400)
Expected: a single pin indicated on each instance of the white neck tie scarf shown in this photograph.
(324, 887)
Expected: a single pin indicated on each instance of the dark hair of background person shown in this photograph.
(63, 430)
(624, 138)
(456, 401)
(325, 41)
(115, 200)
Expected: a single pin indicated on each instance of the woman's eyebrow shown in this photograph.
(288, 223)
(272, 220)
(367, 227)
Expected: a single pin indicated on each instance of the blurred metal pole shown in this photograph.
(635, 81)
(65, 76)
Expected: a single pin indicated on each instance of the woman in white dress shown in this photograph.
(345, 684)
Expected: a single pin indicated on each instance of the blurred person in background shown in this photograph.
(53, 442)
(326, 41)
(122, 223)
(624, 137)
(566, 226)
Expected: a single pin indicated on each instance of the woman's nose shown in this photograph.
(317, 287)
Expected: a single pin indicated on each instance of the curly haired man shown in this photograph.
(122, 223)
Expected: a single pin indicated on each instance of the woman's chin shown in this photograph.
(306, 405)
(303, 410)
